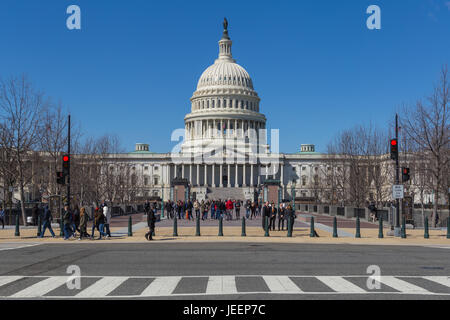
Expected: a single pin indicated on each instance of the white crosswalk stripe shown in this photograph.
(161, 286)
(102, 287)
(167, 286)
(8, 279)
(340, 284)
(221, 285)
(401, 285)
(41, 288)
(281, 284)
(445, 281)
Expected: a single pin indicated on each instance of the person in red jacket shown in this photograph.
(229, 207)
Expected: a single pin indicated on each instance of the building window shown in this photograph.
(146, 168)
(155, 181)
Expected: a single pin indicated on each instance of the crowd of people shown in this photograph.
(230, 210)
(76, 220)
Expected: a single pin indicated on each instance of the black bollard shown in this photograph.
(266, 227)
(175, 226)
(380, 228)
(335, 233)
(39, 230)
(17, 233)
(358, 228)
(220, 226)
(197, 227)
(289, 234)
(426, 234)
(130, 227)
(243, 234)
(448, 228)
(403, 230)
(312, 233)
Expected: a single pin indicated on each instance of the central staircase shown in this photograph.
(225, 193)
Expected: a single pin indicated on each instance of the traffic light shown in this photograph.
(66, 165)
(405, 174)
(394, 149)
(60, 178)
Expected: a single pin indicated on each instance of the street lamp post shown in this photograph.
(293, 196)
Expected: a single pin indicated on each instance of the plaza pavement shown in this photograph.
(232, 232)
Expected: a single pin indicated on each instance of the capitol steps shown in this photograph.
(225, 193)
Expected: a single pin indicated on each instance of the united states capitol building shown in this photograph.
(224, 152)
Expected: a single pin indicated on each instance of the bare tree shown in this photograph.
(427, 125)
(20, 107)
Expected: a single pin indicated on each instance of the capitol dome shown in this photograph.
(225, 73)
(225, 105)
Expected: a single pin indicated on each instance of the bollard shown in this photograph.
(243, 234)
(220, 226)
(403, 231)
(197, 227)
(358, 228)
(448, 228)
(335, 233)
(289, 234)
(39, 230)
(17, 233)
(130, 228)
(266, 227)
(312, 234)
(426, 234)
(380, 228)
(175, 226)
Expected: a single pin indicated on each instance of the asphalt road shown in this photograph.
(224, 271)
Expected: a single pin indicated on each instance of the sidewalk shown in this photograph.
(301, 234)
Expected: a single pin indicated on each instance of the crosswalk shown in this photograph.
(95, 287)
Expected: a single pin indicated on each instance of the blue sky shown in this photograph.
(133, 66)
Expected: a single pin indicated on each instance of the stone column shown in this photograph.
(228, 128)
(229, 178)
(198, 175)
(282, 173)
(182, 170)
(244, 177)
(213, 176)
(236, 182)
(259, 174)
(175, 174)
(220, 176)
(235, 129)
(206, 175)
(221, 128)
(190, 174)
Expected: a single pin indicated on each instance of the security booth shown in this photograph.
(272, 191)
(181, 190)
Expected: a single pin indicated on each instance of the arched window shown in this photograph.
(218, 103)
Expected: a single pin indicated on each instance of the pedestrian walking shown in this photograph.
(95, 221)
(237, 207)
(197, 209)
(151, 224)
(248, 206)
(281, 217)
(273, 216)
(83, 223)
(290, 214)
(107, 214)
(47, 222)
(67, 221)
(34, 214)
(76, 219)
(265, 213)
(101, 224)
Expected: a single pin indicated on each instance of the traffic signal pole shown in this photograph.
(68, 152)
(397, 182)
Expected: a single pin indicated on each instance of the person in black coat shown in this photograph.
(272, 217)
(290, 215)
(265, 213)
(281, 217)
(151, 224)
